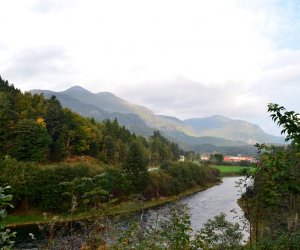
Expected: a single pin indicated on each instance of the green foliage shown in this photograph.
(217, 158)
(115, 182)
(160, 184)
(174, 232)
(31, 141)
(6, 236)
(135, 167)
(288, 120)
(55, 121)
(187, 174)
(219, 234)
(34, 186)
(273, 199)
(35, 129)
(232, 169)
(27, 122)
(280, 240)
(162, 149)
(85, 191)
(82, 136)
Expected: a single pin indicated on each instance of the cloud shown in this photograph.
(280, 79)
(2, 46)
(48, 6)
(186, 98)
(43, 65)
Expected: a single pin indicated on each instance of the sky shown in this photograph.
(187, 58)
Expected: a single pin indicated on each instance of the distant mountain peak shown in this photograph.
(219, 117)
(105, 93)
(77, 88)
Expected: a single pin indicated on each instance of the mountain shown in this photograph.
(104, 104)
(200, 134)
(111, 103)
(230, 129)
(132, 121)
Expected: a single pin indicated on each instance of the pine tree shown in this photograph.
(56, 127)
(31, 141)
(135, 167)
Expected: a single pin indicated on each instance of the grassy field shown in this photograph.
(229, 170)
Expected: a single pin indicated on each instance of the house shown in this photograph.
(204, 158)
(239, 158)
(181, 158)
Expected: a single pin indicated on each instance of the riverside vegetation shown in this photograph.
(271, 201)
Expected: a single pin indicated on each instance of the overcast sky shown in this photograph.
(188, 58)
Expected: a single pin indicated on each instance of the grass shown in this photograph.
(230, 170)
(22, 219)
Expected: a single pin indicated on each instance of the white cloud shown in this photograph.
(48, 6)
(47, 66)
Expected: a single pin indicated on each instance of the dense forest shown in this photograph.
(33, 128)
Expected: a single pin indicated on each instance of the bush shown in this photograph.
(33, 186)
(174, 177)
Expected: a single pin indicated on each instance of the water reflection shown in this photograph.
(209, 203)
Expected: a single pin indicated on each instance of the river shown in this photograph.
(211, 202)
(207, 204)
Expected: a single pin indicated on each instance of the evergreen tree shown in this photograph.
(109, 148)
(31, 141)
(160, 148)
(135, 167)
(56, 127)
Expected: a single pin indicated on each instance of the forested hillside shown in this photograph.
(49, 155)
(37, 129)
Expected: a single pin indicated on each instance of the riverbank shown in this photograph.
(123, 208)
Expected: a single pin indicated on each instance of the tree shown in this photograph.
(218, 158)
(31, 141)
(161, 148)
(218, 233)
(289, 120)
(135, 167)
(6, 236)
(274, 195)
(109, 148)
(55, 120)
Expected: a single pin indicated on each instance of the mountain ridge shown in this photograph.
(232, 129)
(190, 133)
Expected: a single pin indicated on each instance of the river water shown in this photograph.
(207, 204)
(211, 202)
